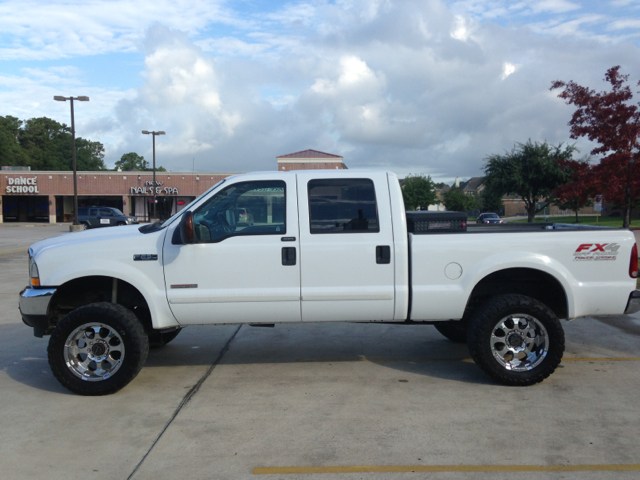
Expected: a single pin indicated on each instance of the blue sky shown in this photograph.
(427, 86)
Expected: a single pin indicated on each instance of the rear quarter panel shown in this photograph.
(592, 287)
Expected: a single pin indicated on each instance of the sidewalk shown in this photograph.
(17, 237)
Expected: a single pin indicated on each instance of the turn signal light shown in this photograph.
(633, 264)
(35, 282)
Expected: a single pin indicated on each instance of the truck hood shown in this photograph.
(123, 233)
(107, 251)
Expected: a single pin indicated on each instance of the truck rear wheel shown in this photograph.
(97, 349)
(456, 331)
(516, 340)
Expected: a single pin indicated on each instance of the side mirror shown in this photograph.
(187, 234)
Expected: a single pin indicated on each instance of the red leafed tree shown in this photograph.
(611, 119)
(578, 191)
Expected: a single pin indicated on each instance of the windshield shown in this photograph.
(491, 215)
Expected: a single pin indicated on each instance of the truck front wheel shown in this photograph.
(516, 340)
(97, 349)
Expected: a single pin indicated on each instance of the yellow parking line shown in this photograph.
(445, 468)
(575, 359)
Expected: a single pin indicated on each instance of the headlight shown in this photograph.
(34, 275)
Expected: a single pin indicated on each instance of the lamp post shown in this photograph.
(153, 134)
(73, 156)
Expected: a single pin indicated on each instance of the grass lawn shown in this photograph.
(586, 220)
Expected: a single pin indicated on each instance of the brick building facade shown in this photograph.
(47, 196)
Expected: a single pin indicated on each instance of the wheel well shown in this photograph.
(525, 281)
(85, 290)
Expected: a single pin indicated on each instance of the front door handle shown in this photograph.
(383, 255)
(288, 255)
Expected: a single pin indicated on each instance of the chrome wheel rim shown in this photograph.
(94, 352)
(519, 342)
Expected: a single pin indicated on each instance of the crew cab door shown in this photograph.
(347, 262)
(238, 272)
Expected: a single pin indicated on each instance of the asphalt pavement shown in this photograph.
(317, 401)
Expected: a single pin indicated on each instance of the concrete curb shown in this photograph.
(14, 250)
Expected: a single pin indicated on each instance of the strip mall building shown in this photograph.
(40, 196)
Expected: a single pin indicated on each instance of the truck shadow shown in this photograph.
(416, 349)
(410, 350)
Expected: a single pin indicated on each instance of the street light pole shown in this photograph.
(153, 134)
(73, 153)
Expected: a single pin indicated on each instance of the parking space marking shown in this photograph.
(408, 360)
(445, 468)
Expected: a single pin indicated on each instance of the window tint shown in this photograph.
(105, 212)
(93, 212)
(342, 206)
(247, 208)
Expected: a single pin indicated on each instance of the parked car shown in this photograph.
(488, 218)
(96, 217)
(334, 246)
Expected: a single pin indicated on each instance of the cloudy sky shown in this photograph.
(429, 86)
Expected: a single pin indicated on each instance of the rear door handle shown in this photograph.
(288, 255)
(383, 255)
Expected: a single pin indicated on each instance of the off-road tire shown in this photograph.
(456, 331)
(118, 318)
(485, 320)
(158, 339)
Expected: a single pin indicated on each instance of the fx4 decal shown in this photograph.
(596, 251)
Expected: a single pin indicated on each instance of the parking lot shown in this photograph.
(318, 401)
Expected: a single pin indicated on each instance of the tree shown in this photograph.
(529, 171)
(576, 193)
(418, 191)
(490, 201)
(11, 153)
(611, 120)
(89, 155)
(46, 145)
(456, 200)
(131, 161)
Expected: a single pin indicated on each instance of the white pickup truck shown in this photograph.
(323, 246)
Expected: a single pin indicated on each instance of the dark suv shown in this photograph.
(95, 217)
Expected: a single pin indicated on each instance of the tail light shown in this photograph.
(633, 263)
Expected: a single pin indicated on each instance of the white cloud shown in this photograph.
(413, 86)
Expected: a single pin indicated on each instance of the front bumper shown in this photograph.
(633, 305)
(34, 305)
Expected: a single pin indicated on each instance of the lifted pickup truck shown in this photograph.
(323, 247)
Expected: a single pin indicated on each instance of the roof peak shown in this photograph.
(309, 154)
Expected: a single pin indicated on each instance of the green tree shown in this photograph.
(456, 200)
(490, 201)
(418, 191)
(48, 143)
(131, 161)
(11, 152)
(530, 171)
(89, 155)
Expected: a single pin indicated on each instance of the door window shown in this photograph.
(247, 208)
(342, 206)
(106, 212)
